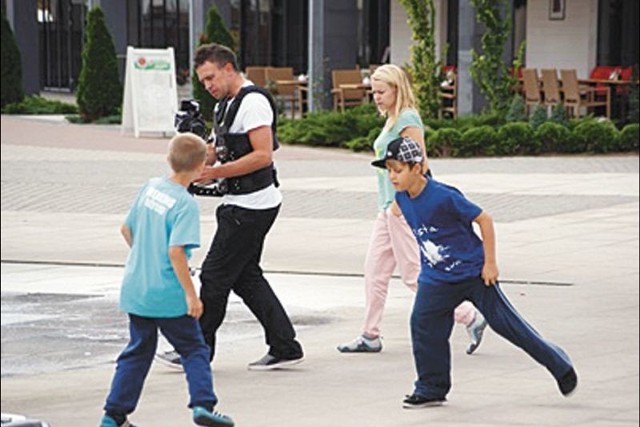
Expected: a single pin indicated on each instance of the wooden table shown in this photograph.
(619, 90)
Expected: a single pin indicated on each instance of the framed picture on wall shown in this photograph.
(556, 9)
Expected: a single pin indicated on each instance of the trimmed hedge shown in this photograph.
(629, 138)
(479, 135)
(355, 129)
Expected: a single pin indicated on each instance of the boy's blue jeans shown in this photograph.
(432, 322)
(134, 362)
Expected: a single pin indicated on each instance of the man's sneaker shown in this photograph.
(568, 383)
(107, 421)
(361, 344)
(269, 362)
(202, 417)
(170, 359)
(416, 401)
(475, 330)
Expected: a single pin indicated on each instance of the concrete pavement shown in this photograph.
(567, 231)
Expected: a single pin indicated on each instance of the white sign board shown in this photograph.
(150, 92)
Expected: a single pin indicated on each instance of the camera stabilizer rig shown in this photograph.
(189, 119)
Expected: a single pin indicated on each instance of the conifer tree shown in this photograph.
(11, 66)
(99, 89)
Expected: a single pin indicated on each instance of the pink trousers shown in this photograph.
(393, 244)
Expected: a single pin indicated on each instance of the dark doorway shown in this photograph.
(60, 25)
(618, 32)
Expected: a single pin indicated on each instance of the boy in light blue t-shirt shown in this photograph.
(162, 227)
(457, 265)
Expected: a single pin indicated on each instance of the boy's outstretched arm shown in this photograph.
(126, 233)
(490, 267)
(180, 265)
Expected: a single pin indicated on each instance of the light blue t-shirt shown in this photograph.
(441, 219)
(164, 214)
(407, 118)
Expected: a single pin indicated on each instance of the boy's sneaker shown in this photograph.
(568, 383)
(361, 344)
(107, 421)
(269, 362)
(202, 417)
(475, 330)
(170, 359)
(416, 401)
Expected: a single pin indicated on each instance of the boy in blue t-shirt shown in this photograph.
(162, 227)
(456, 265)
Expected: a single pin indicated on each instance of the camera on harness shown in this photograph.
(189, 119)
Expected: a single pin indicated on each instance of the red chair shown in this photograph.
(625, 73)
(447, 68)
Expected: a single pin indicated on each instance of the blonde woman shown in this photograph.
(392, 242)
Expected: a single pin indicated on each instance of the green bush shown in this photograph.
(559, 115)
(484, 134)
(40, 105)
(99, 89)
(476, 141)
(517, 110)
(462, 123)
(443, 142)
(596, 136)
(514, 138)
(11, 66)
(334, 129)
(553, 137)
(629, 138)
(215, 32)
(538, 116)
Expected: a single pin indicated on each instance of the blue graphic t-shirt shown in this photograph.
(164, 214)
(441, 219)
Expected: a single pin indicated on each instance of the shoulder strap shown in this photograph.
(230, 115)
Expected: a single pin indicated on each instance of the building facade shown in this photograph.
(316, 36)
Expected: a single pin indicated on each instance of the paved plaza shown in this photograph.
(568, 249)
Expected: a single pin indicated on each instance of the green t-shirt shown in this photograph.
(408, 118)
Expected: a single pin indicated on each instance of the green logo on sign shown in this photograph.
(155, 64)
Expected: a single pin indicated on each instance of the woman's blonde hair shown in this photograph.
(397, 79)
(187, 151)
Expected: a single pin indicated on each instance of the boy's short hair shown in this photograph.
(404, 150)
(187, 151)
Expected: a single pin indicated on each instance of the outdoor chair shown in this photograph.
(577, 97)
(283, 85)
(550, 87)
(258, 75)
(532, 94)
(348, 90)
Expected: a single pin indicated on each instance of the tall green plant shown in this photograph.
(488, 69)
(11, 66)
(424, 68)
(99, 89)
(215, 32)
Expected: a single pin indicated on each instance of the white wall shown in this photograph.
(399, 34)
(570, 43)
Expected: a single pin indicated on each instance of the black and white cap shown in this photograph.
(404, 150)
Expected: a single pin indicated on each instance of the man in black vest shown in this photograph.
(241, 155)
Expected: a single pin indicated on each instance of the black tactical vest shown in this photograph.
(232, 146)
